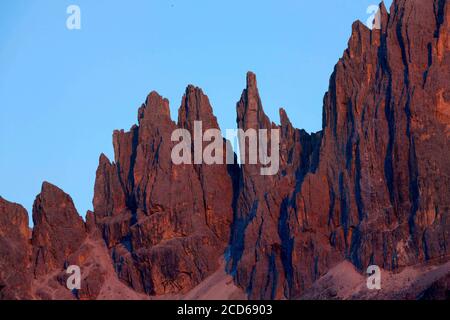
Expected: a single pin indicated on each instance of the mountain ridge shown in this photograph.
(371, 187)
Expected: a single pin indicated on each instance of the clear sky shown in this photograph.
(63, 92)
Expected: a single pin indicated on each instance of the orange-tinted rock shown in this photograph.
(58, 229)
(370, 188)
(261, 247)
(15, 250)
(379, 191)
(216, 180)
(166, 225)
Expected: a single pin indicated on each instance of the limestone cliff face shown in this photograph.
(377, 191)
(165, 224)
(260, 243)
(58, 229)
(15, 250)
(382, 132)
(33, 264)
(372, 187)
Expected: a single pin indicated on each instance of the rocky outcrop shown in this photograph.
(15, 250)
(58, 229)
(370, 188)
(260, 247)
(60, 239)
(165, 224)
(33, 265)
(378, 193)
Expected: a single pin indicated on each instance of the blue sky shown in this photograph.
(63, 92)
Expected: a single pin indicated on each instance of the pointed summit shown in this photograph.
(284, 119)
(359, 40)
(155, 107)
(195, 106)
(250, 112)
(251, 81)
(58, 229)
(384, 16)
(103, 159)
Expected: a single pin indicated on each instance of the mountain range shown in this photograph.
(371, 188)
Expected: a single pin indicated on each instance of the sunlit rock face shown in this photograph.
(372, 187)
(15, 250)
(376, 189)
(166, 225)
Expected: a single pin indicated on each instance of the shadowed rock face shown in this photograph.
(370, 188)
(260, 247)
(439, 290)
